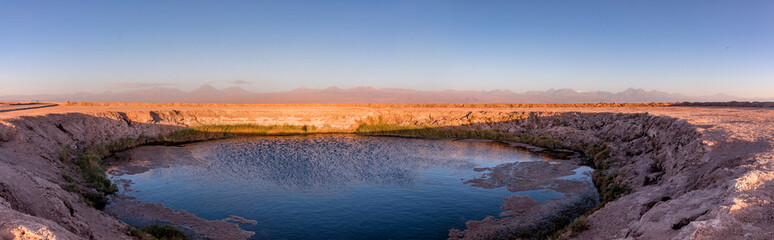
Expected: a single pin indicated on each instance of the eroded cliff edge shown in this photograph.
(696, 173)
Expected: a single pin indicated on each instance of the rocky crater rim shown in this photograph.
(679, 186)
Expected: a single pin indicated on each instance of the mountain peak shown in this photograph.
(637, 90)
(234, 91)
(206, 88)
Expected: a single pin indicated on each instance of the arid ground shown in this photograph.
(690, 172)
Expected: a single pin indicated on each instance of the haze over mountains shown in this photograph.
(209, 94)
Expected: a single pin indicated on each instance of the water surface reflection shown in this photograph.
(333, 186)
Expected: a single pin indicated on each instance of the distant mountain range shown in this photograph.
(208, 94)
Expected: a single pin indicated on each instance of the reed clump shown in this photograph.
(457, 133)
(208, 132)
(88, 165)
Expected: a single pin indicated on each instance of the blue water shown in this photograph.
(336, 186)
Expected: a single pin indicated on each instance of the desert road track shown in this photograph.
(24, 106)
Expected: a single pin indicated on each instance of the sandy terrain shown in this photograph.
(697, 172)
(12, 107)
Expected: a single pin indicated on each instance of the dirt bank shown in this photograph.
(696, 172)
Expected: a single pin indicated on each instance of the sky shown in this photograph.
(688, 47)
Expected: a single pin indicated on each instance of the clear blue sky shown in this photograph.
(673, 46)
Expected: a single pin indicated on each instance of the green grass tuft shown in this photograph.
(578, 225)
(64, 153)
(157, 232)
(90, 167)
(165, 232)
(609, 189)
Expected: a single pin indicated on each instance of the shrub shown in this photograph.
(615, 192)
(97, 200)
(578, 225)
(600, 159)
(165, 232)
(90, 166)
(64, 153)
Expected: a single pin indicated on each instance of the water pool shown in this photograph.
(330, 186)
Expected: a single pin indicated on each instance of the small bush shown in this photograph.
(165, 232)
(72, 187)
(95, 199)
(600, 159)
(615, 192)
(64, 153)
(67, 178)
(578, 225)
(139, 234)
(90, 166)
